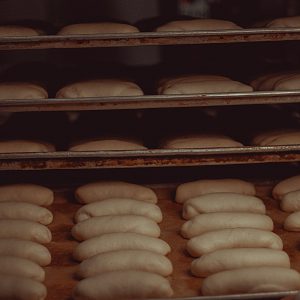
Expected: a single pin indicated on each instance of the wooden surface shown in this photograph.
(60, 278)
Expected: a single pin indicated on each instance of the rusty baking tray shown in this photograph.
(149, 102)
(149, 158)
(150, 38)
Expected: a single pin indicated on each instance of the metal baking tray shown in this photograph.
(150, 38)
(149, 102)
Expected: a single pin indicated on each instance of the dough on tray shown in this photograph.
(286, 186)
(278, 137)
(22, 146)
(287, 22)
(15, 30)
(292, 222)
(290, 202)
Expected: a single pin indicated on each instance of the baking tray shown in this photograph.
(150, 102)
(150, 38)
(149, 158)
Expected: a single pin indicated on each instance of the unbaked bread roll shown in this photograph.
(119, 207)
(288, 22)
(25, 211)
(100, 88)
(204, 84)
(287, 137)
(119, 241)
(291, 201)
(238, 258)
(25, 230)
(197, 188)
(102, 190)
(16, 266)
(222, 202)
(290, 83)
(30, 193)
(25, 249)
(139, 260)
(233, 238)
(292, 222)
(224, 220)
(15, 30)
(97, 226)
(108, 145)
(123, 285)
(251, 280)
(16, 287)
(21, 90)
(22, 146)
(198, 24)
(97, 28)
(286, 186)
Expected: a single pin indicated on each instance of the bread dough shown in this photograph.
(292, 222)
(222, 202)
(15, 30)
(21, 90)
(25, 230)
(16, 266)
(123, 285)
(230, 259)
(139, 260)
(251, 280)
(25, 249)
(233, 238)
(100, 88)
(287, 137)
(197, 188)
(288, 22)
(200, 141)
(224, 220)
(204, 84)
(119, 207)
(97, 226)
(291, 201)
(290, 83)
(119, 241)
(286, 186)
(102, 190)
(30, 193)
(22, 146)
(25, 211)
(198, 24)
(97, 28)
(107, 145)
(16, 287)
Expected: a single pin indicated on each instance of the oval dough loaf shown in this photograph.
(230, 259)
(222, 202)
(15, 30)
(197, 188)
(288, 22)
(25, 230)
(109, 224)
(31, 193)
(101, 190)
(25, 249)
(292, 222)
(119, 207)
(24, 146)
(123, 285)
(216, 221)
(291, 201)
(286, 186)
(119, 241)
(251, 280)
(233, 238)
(139, 260)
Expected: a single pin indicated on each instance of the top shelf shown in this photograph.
(150, 39)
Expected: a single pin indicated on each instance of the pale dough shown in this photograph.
(100, 88)
(123, 285)
(292, 222)
(97, 28)
(222, 202)
(230, 259)
(288, 22)
(221, 220)
(101, 190)
(233, 238)
(25, 249)
(97, 226)
(21, 90)
(22, 146)
(15, 30)
(26, 230)
(119, 241)
(16, 287)
(275, 138)
(119, 206)
(198, 24)
(25, 211)
(139, 260)
(291, 201)
(31, 193)
(286, 186)
(251, 280)
(193, 189)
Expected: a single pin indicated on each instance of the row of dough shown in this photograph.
(112, 27)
